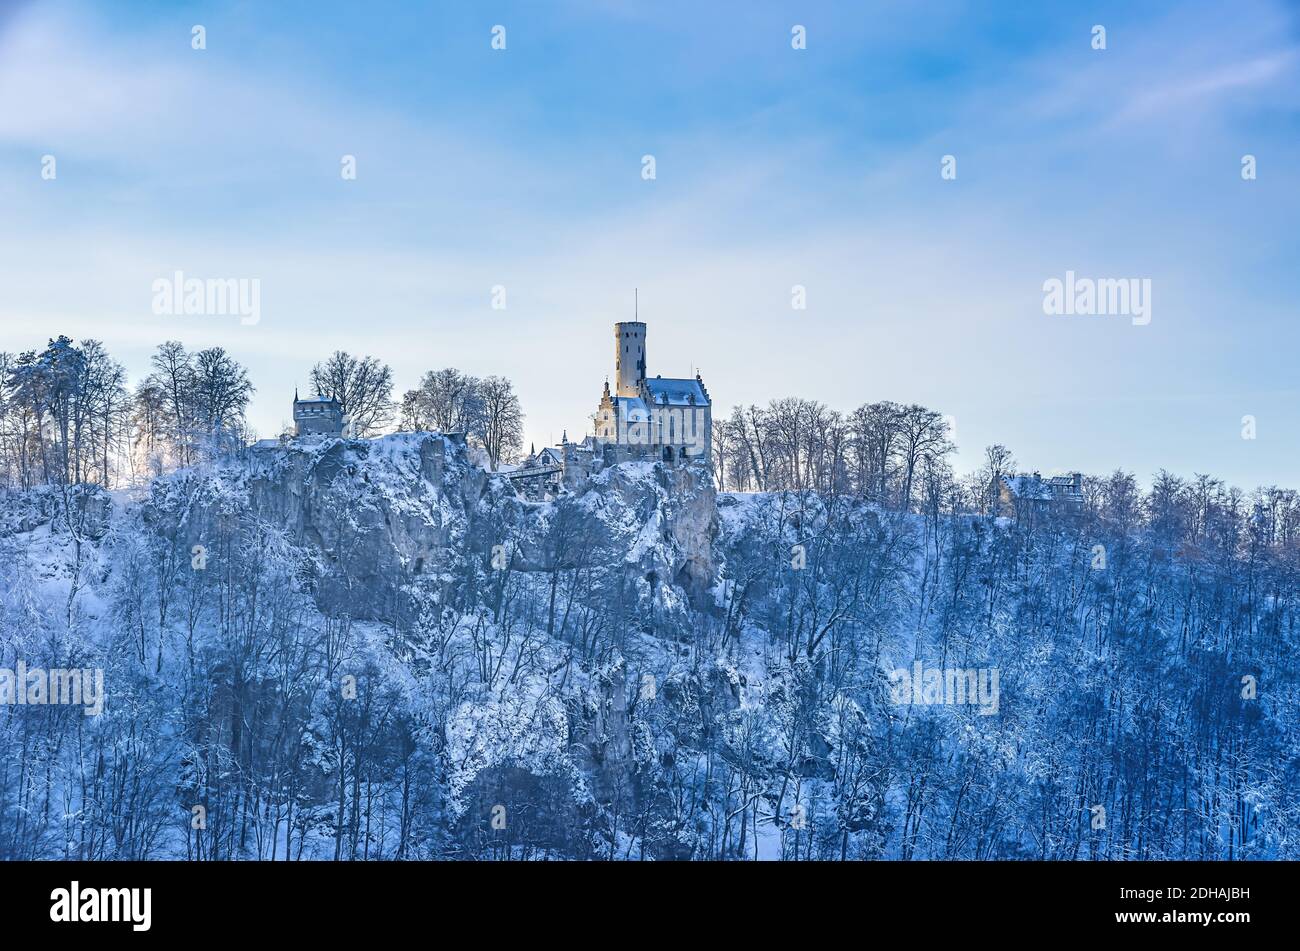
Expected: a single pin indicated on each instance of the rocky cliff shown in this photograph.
(389, 511)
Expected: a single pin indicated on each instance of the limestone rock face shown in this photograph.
(378, 515)
(84, 509)
(662, 519)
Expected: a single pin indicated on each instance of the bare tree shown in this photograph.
(446, 400)
(174, 376)
(924, 436)
(502, 423)
(106, 405)
(363, 387)
(998, 462)
(221, 391)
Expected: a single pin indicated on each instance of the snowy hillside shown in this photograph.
(375, 649)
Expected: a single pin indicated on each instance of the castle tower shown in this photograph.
(629, 357)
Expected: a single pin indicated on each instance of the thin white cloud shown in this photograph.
(1195, 89)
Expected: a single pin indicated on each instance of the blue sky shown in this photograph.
(775, 167)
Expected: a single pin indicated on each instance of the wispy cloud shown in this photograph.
(773, 170)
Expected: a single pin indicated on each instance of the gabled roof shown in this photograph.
(1027, 487)
(1037, 488)
(673, 392)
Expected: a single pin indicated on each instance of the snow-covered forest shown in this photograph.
(374, 648)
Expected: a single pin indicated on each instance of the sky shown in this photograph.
(822, 167)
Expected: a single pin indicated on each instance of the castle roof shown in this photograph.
(673, 392)
(1027, 487)
(1035, 487)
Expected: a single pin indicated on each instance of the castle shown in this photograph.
(317, 416)
(1021, 495)
(671, 417)
(659, 418)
